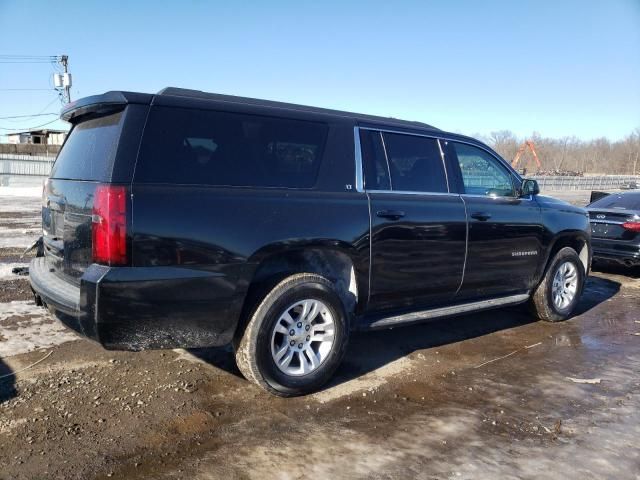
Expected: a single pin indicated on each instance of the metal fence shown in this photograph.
(19, 165)
(600, 182)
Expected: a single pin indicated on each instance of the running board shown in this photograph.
(447, 311)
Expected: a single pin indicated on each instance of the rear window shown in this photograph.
(623, 202)
(89, 152)
(185, 146)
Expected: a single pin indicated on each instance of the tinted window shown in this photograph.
(376, 172)
(89, 151)
(629, 201)
(482, 174)
(415, 163)
(215, 148)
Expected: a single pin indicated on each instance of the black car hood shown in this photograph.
(551, 202)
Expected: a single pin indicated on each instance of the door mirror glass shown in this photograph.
(529, 187)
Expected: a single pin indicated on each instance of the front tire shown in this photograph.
(559, 292)
(296, 337)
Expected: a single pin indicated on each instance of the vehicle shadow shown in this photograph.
(7, 383)
(611, 268)
(371, 350)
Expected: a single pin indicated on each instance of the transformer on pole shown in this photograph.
(63, 81)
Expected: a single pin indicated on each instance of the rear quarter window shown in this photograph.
(90, 150)
(199, 147)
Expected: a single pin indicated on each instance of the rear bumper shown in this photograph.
(616, 251)
(135, 308)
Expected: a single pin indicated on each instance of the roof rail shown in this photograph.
(198, 94)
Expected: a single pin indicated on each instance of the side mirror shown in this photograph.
(529, 187)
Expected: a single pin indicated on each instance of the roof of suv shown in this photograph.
(91, 104)
(197, 94)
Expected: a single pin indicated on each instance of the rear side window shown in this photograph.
(185, 146)
(90, 150)
(415, 163)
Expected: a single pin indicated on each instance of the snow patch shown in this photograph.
(6, 271)
(21, 191)
(17, 242)
(25, 327)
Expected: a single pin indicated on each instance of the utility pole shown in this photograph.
(63, 80)
(64, 60)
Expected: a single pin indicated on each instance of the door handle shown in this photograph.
(482, 216)
(390, 214)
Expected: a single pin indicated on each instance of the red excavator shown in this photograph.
(521, 150)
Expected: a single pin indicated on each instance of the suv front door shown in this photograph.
(418, 227)
(505, 231)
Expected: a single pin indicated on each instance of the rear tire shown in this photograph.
(559, 292)
(295, 338)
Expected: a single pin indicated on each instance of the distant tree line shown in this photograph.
(570, 155)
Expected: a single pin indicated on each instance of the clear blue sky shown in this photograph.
(561, 68)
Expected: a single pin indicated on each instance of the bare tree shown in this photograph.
(572, 155)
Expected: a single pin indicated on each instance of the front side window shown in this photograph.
(200, 147)
(482, 174)
(415, 163)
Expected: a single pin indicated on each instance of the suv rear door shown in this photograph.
(505, 232)
(418, 227)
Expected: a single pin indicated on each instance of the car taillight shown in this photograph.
(633, 226)
(109, 225)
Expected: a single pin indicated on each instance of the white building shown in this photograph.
(42, 137)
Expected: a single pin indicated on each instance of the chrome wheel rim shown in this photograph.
(303, 337)
(565, 285)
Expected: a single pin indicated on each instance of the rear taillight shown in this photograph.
(109, 225)
(633, 226)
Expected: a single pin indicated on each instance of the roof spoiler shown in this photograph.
(100, 104)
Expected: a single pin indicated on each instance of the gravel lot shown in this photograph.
(491, 395)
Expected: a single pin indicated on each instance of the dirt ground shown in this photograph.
(490, 395)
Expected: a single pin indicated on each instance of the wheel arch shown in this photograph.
(578, 241)
(337, 262)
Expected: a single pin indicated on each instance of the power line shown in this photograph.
(39, 114)
(29, 116)
(25, 89)
(30, 128)
(4, 55)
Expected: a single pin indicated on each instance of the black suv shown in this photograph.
(189, 219)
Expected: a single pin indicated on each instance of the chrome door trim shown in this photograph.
(446, 311)
(444, 165)
(358, 158)
(466, 244)
(473, 195)
(386, 159)
(442, 137)
(409, 192)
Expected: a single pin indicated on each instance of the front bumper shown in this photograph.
(135, 308)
